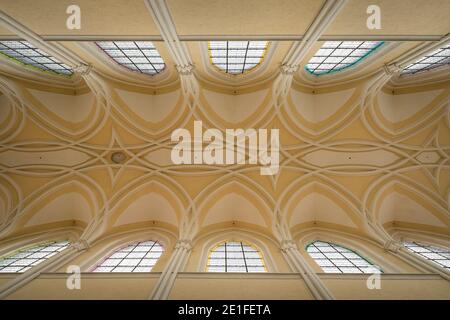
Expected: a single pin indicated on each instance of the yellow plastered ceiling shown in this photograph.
(350, 153)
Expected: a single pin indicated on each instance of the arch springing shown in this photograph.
(235, 256)
(333, 258)
(28, 257)
(136, 257)
(438, 255)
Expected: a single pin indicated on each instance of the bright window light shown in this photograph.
(235, 257)
(336, 259)
(335, 56)
(236, 57)
(25, 53)
(436, 59)
(137, 257)
(438, 255)
(140, 56)
(26, 258)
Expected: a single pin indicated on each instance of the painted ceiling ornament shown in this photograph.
(118, 157)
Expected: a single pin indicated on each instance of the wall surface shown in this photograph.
(93, 286)
(234, 287)
(393, 286)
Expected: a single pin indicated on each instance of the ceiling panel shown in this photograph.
(399, 17)
(237, 17)
(98, 18)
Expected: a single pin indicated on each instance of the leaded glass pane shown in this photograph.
(338, 55)
(24, 52)
(24, 259)
(236, 57)
(235, 257)
(137, 257)
(438, 255)
(336, 259)
(139, 56)
(436, 59)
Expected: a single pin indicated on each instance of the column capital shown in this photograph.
(390, 69)
(80, 245)
(287, 245)
(83, 69)
(185, 70)
(392, 245)
(288, 69)
(184, 243)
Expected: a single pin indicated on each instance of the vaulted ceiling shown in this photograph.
(364, 150)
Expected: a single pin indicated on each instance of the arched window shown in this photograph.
(26, 258)
(235, 257)
(137, 257)
(25, 53)
(336, 259)
(438, 255)
(436, 59)
(236, 57)
(338, 55)
(140, 56)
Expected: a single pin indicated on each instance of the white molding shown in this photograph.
(327, 14)
(168, 277)
(163, 20)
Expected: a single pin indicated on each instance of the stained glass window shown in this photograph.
(137, 257)
(335, 56)
(436, 59)
(236, 57)
(25, 53)
(26, 258)
(235, 257)
(336, 259)
(140, 56)
(438, 255)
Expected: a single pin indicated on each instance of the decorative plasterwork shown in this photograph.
(368, 155)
